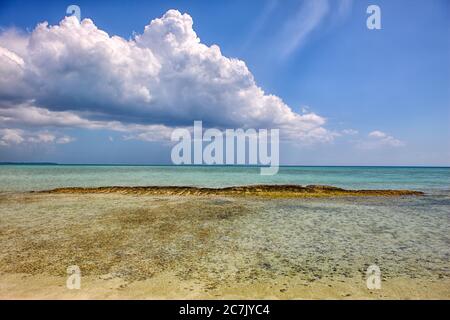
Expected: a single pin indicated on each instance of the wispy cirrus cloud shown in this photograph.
(344, 8)
(300, 20)
(260, 21)
(296, 29)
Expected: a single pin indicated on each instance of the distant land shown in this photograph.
(29, 163)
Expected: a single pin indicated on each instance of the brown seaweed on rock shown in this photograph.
(275, 191)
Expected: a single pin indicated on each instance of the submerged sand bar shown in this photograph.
(276, 191)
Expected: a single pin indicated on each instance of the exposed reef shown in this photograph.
(275, 191)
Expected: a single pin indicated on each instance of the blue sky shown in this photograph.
(380, 97)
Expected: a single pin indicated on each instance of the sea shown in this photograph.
(431, 180)
(406, 237)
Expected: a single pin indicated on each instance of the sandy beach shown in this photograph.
(169, 286)
(206, 247)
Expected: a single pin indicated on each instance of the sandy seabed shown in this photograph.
(213, 247)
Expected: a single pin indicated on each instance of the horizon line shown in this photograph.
(47, 163)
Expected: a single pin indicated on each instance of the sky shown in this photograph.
(112, 88)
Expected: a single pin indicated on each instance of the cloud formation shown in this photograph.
(76, 75)
(377, 139)
(309, 16)
(11, 137)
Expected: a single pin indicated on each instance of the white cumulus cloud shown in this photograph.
(76, 75)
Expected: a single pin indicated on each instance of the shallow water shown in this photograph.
(404, 236)
(224, 241)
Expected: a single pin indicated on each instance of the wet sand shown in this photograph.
(150, 246)
(169, 286)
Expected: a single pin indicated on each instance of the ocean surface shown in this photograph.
(41, 177)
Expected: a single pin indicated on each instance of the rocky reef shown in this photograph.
(273, 191)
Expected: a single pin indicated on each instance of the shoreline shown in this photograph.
(167, 286)
(275, 191)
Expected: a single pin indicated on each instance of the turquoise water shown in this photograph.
(339, 237)
(41, 177)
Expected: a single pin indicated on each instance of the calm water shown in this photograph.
(39, 177)
(338, 237)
